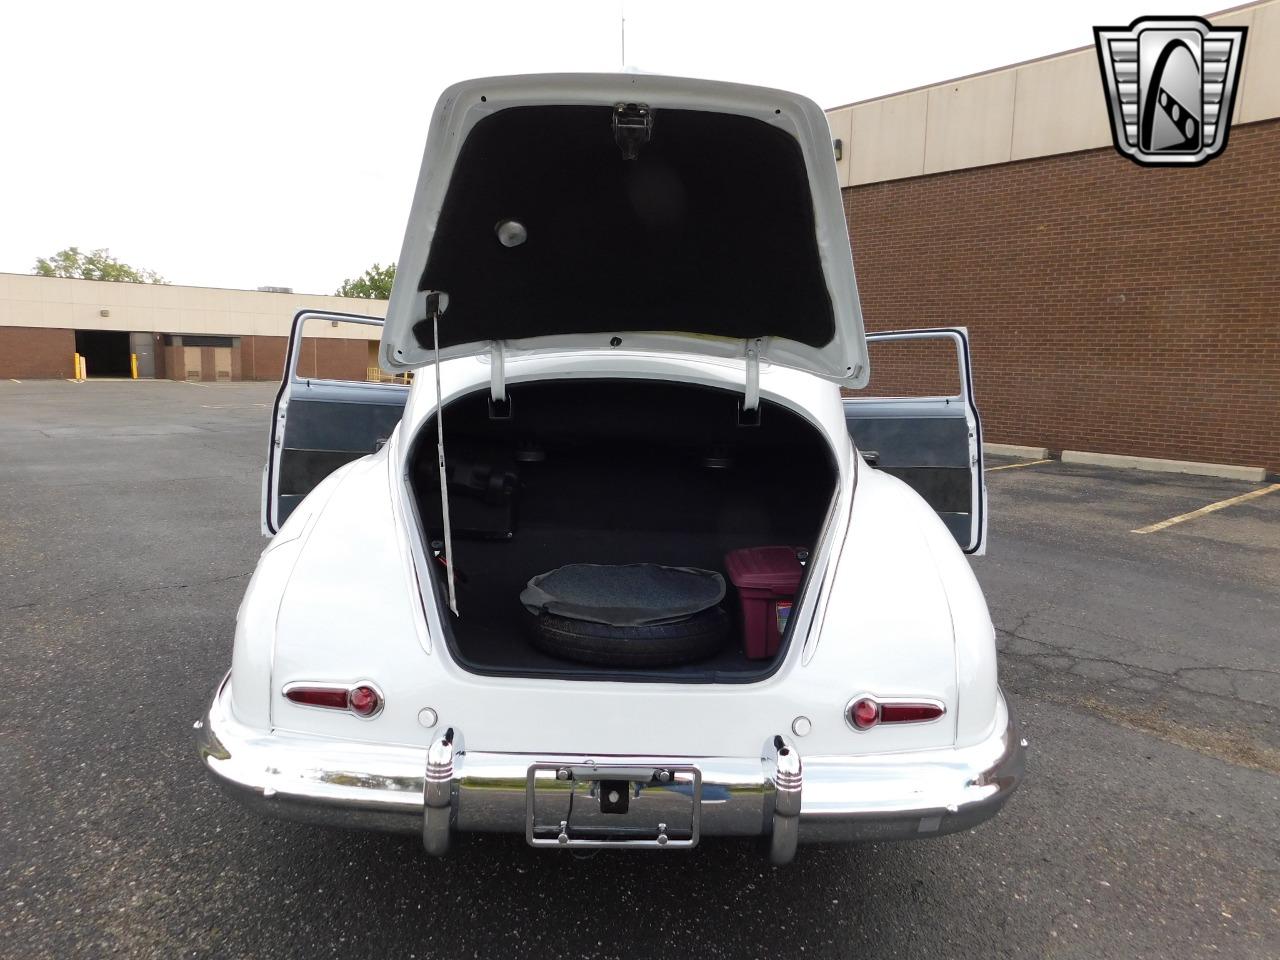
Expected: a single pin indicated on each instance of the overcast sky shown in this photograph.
(239, 144)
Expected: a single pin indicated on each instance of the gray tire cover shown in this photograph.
(625, 595)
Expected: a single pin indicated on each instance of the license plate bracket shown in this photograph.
(583, 805)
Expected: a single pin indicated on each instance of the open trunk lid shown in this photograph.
(589, 212)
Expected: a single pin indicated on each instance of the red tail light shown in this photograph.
(866, 712)
(909, 712)
(362, 699)
(334, 698)
(365, 701)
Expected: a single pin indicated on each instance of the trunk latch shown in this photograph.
(632, 127)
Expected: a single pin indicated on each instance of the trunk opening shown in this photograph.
(612, 472)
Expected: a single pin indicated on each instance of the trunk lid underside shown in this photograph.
(583, 212)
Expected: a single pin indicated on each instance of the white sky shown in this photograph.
(238, 144)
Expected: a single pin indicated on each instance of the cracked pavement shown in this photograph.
(1176, 632)
(1146, 669)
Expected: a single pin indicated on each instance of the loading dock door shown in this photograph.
(106, 352)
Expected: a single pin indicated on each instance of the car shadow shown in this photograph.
(493, 890)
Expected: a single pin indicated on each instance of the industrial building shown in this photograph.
(173, 332)
(1112, 307)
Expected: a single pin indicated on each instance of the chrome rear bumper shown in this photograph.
(436, 791)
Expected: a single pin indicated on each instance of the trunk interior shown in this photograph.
(612, 472)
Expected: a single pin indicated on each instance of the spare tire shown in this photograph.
(624, 595)
(644, 645)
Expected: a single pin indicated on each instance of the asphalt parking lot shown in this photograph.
(1146, 668)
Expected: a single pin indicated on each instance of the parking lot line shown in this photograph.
(1221, 504)
(1012, 466)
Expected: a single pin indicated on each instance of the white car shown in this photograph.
(633, 299)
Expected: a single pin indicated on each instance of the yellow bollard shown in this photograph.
(133, 365)
(75, 360)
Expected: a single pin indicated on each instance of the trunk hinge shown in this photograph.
(499, 402)
(632, 127)
(436, 304)
(749, 412)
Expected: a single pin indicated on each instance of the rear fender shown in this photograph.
(256, 618)
(887, 626)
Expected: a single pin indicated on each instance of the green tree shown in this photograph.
(94, 265)
(374, 284)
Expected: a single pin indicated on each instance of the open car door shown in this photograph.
(334, 406)
(920, 424)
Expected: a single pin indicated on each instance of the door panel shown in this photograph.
(932, 443)
(322, 420)
(222, 363)
(142, 345)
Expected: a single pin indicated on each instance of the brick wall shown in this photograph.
(40, 353)
(175, 362)
(912, 368)
(37, 352)
(1112, 307)
(262, 358)
(335, 359)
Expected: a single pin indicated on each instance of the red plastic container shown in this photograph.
(767, 579)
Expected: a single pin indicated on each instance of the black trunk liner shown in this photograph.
(615, 472)
(493, 635)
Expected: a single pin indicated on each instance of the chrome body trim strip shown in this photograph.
(398, 788)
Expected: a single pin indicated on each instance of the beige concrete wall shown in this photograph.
(840, 122)
(1037, 109)
(31, 301)
(889, 140)
(970, 122)
(1059, 107)
(1259, 95)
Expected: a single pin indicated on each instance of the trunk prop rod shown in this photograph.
(437, 303)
